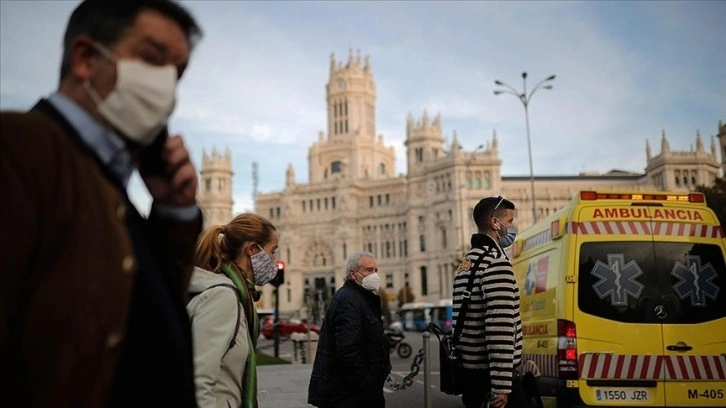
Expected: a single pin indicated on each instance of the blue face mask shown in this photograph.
(507, 239)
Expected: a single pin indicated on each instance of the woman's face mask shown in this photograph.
(264, 268)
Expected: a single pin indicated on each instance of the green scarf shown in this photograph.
(246, 289)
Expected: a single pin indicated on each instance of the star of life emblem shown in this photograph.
(617, 279)
(695, 281)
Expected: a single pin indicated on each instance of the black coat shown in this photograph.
(352, 360)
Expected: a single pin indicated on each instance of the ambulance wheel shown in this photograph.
(404, 350)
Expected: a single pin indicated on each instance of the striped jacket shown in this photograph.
(492, 334)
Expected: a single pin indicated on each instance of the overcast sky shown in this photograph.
(256, 83)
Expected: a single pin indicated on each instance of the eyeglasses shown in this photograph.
(491, 214)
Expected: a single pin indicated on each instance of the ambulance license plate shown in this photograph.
(622, 394)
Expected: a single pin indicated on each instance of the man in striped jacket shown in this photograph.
(490, 343)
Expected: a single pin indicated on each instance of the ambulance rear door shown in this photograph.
(689, 249)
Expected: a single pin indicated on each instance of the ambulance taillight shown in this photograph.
(696, 198)
(566, 349)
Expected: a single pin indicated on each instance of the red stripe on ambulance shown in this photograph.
(539, 239)
(648, 367)
(539, 364)
(644, 228)
(608, 366)
(695, 367)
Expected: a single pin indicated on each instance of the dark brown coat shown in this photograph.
(67, 267)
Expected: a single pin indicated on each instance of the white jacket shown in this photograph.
(218, 369)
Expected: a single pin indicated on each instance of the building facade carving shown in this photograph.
(416, 224)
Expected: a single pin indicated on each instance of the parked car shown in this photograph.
(287, 327)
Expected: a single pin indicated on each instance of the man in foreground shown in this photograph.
(490, 343)
(92, 301)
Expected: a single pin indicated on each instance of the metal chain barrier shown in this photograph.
(408, 379)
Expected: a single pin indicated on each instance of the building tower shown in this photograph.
(215, 188)
(424, 143)
(350, 150)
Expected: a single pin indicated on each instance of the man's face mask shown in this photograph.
(371, 281)
(510, 234)
(142, 100)
(264, 268)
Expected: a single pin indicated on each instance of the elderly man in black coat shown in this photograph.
(352, 360)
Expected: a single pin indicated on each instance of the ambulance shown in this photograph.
(623, 302)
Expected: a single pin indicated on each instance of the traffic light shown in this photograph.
(279, 279)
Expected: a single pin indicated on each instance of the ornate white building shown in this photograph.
(418, 223)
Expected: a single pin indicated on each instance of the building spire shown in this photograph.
(699, 142)
(455, 146)
(665, 147)
(647, 149)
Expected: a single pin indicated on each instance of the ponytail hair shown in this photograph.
(220, 244)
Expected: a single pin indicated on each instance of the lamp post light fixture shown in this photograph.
(525, 98)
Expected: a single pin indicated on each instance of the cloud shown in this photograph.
(625, 70)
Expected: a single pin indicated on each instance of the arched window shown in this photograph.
(319, 259)
(382, 169)
(336, 167)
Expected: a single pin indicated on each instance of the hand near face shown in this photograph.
(177, 185)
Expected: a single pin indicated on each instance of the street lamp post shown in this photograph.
(525, 99)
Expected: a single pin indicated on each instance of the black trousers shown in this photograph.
(477, 386)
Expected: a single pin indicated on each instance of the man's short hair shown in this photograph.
(490, 207)
(107, 20)
(353, 261)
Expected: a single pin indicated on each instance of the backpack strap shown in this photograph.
(467, 295)
(239, 308)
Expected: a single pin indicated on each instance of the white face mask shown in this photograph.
(371, 282)
(142, 100)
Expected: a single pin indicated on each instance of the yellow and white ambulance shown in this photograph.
(623, 302)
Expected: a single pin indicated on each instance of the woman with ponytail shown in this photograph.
(230, 261)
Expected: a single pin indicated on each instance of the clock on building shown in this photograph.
(341, 84)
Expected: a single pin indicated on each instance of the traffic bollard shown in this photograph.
(427, 369)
